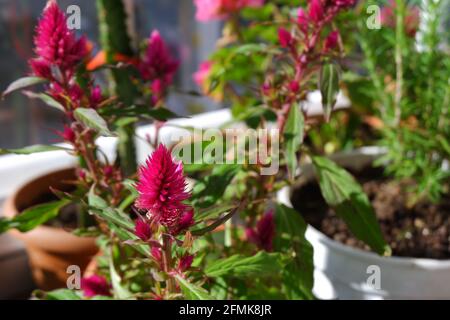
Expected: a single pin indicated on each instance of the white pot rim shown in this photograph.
(419, 263)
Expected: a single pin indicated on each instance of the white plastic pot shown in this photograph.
(343, 272)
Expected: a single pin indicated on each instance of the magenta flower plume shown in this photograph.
(284, 37)
(302, 20)
(55, 44)
(208, 10)
(158, 63)
(67, 134)
(95, 286)
(201, 76)
(264, 232)
(162, 189)
(332, 40)
(185, 263)
(142, 230)
(315, 10)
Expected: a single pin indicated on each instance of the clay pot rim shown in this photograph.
(52, 239)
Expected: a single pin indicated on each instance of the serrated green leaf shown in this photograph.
(48, 100)
(38, 148)
(126, 235)
(329, 88)
(192, 291)
(342, 192)
(293, 135)
(33, 217)
(62, 294)
(290, 235)
(100, 207)
(119, 290)
(161, 114)
(23, 83)
(210, 189)
(91, 119)
(263, 263)
(213, 212)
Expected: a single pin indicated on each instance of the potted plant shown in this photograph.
(225, 236)
(41, 211)
(405, 85)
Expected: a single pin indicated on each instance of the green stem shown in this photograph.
(167, 256)
(399, 37)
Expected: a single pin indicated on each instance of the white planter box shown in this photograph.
(342, 271)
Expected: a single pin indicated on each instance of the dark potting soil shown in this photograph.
(420, 231)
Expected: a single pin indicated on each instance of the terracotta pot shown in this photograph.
(51, 250)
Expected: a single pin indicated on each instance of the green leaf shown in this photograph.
(261, 264)
(298, 275)
(115, 216)
(126, 235)
(23, 83)
(161, 114)
(254, 48)
(100, 207)
(329, 88)
(48, 100)
(294, 131)
(119, 290)
(192, 291)
(96, 201)
(215, 224)
(210, 189)
(213, 212)
(62, 294)
(91, 119)
(33, 149)
(342, 192)
(33, 217)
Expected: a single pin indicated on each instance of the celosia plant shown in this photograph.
(226, 237)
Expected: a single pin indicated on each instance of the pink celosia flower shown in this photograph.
(158, 63)
(201, 76)
(332, 40)
(55, 44)
(208, 10)
(315, 10)
(67, 134)
(162, 189)
(343, 3)
(186, 220)
(264, 232)
(95, 286)
(266, 89)
(294, 86)
(142, 230)
(185, 263)
(96, 96)
(284, 37)
(158, 89)
(302, 20)
(156, 253)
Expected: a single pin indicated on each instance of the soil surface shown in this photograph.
(420, 231)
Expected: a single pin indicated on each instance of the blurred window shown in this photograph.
(25, 122)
